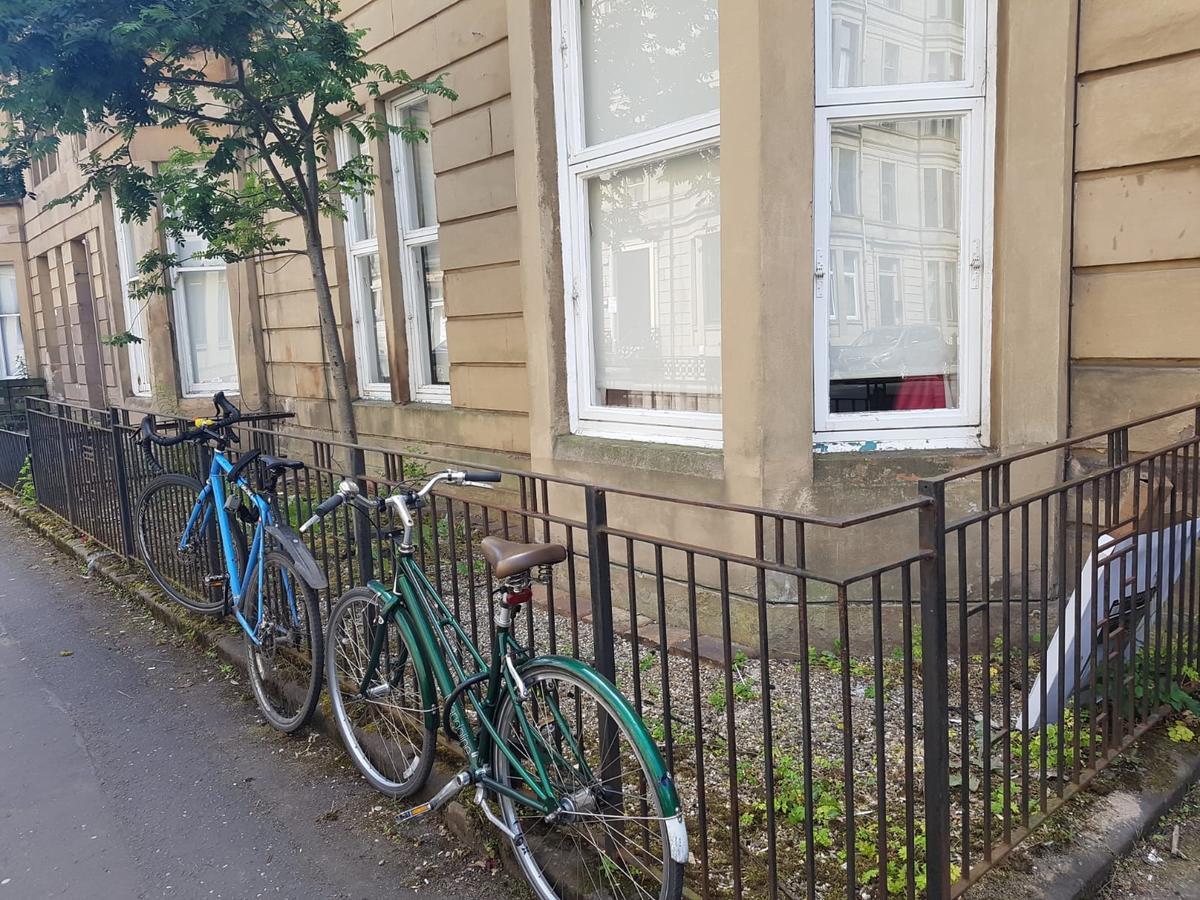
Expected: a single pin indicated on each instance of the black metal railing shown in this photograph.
(842, 701)
(14, 451)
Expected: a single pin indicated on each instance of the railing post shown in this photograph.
(363, 537)
(596, 509)
(124, 501)
(68, 493)
(935, 689)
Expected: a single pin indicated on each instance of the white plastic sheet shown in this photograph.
(1159, 559)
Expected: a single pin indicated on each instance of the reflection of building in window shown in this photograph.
(945, 65)
(891, 63)
(894, 42)
(941, 198)
(845, 181)
(657, 333)
(887, 191)
(641, 223)
(847, 53)
(941, 291)
(846, 300)
(891, 311)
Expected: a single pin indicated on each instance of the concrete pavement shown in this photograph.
(132, 766)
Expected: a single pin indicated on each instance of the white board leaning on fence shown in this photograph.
(1159, 558)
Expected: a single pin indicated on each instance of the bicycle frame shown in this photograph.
(415, 605)
(239, 582)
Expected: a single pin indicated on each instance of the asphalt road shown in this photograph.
(133, 766)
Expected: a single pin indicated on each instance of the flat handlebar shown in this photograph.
(218, 429)
(400, 502)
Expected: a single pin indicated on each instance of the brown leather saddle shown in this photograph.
(511, 558)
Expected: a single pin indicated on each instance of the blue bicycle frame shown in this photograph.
(239, 582)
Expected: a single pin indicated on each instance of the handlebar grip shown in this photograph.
(483, 477)
(327, 506)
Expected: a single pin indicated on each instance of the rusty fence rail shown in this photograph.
(842, 701)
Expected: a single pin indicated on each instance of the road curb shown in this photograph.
(1120, 808)
(206, 633)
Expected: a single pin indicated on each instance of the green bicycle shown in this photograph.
(561, 763)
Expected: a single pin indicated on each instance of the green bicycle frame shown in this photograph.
(422, 616)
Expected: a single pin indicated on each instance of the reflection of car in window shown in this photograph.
(894, 351)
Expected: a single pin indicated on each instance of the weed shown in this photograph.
(24, 488)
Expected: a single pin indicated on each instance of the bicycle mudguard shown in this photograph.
(664, 784)
(400, 617)
(289, 541)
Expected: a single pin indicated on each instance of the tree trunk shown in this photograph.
(343, 403)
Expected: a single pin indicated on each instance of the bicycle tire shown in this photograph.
(285, 686)
(543, 849)
(160, 517)
(375, 729)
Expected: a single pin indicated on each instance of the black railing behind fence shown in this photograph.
(13, 394)
(842, 702)
(14, 450)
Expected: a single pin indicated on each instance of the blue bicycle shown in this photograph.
(193, 539)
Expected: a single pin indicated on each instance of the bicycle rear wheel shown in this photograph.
(611, 836)
(162, 514)
(390, 728)
(287, 663)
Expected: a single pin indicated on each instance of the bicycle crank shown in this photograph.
(448, 792)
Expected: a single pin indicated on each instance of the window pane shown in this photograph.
(879, 42)
(12, 350)
(210, 332)
(361, 208)
(429, 270)
(649, 352)
(902, 350)
(421, 158)
(8, 290)
(372, 320)
(647, 63)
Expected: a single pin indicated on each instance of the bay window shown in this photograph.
(909, 370)
(638, 90)
(420, 257)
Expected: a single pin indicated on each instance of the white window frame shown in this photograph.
(4, 374)
(974, 100)
(579, 163)
(192, 386)
(412, 239)
(357, 250)
(139, 357)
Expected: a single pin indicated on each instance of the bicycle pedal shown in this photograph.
(214, 580)
(449, 790)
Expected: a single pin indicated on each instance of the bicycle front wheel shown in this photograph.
(287, 661)
(180, 567)
(387, 721)
(610, 837)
